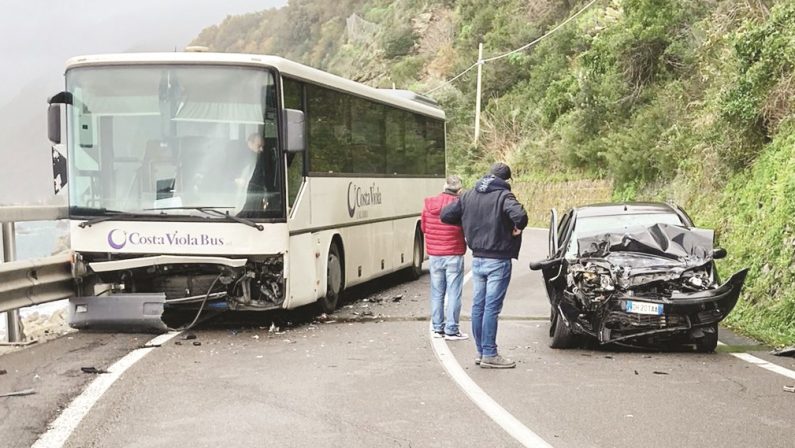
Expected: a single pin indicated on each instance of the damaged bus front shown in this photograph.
(176, 188)
(650, 286)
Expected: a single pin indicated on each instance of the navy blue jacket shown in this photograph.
(489, 213)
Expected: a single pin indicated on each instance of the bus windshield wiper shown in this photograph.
(215, 212)
(226, 215)
(108, 215)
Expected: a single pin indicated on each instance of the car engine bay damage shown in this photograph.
(646, 285)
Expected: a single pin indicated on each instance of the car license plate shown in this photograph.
(644, 308)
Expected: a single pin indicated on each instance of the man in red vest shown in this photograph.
(445, 246)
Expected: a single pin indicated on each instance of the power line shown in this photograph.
(523, 47)
(449, 81)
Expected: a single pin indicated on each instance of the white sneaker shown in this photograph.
(438, 334)
(456, 337)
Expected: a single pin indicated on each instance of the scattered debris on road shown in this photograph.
(397, 298)
(786, 351)
(19, 393)
(657, 372)
(789, 389)
(197, 343)
(189, 336)
(93, 370)
(3, 371)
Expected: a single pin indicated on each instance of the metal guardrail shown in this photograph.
(20, 213)
(33, 282)
(30, 282)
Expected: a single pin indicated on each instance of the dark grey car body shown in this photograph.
(650, 284)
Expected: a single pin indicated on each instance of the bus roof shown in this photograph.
(285, 66)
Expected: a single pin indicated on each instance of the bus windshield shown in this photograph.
(171, 139)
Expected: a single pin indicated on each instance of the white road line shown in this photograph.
(763, 364)
(63, 426)
(508, 422)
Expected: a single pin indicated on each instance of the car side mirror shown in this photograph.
(295, 131)
(544, 264)
(719, 253)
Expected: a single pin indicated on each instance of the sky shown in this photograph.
(38, 36)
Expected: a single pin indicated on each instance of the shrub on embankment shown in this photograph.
(678, 100)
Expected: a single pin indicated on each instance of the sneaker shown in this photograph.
(496, 362)
(477, 360)
(438, 334)
(456, 337)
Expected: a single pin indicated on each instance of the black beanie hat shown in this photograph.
(501, 170)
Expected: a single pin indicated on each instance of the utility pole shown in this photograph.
(477, 99)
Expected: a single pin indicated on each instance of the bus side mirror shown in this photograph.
(54, 123)
(295, 131)
(54, 115)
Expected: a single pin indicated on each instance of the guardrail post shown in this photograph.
(10, 254)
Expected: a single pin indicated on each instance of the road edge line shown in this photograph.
(759, 362)
(479, 397)
(488, 405)
(60, 429)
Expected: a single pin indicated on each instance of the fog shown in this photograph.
(36, 38)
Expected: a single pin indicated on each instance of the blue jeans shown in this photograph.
(490, 278)
(447, 275)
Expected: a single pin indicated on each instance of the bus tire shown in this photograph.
(334, 280)
(414, 271)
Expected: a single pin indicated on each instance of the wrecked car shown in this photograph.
(638, 274)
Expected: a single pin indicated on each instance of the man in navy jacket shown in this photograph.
(493, 221)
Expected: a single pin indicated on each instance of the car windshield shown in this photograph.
(168, 139)
(593, 225)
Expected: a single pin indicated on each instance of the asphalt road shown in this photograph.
(368, 376)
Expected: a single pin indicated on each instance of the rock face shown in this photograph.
(40, 326)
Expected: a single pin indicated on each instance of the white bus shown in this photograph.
(232, 181)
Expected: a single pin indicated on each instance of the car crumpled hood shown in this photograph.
(660, 252)
(690, 246)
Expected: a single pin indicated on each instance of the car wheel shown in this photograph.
(708, 342)
(328, 303)
(562, 336)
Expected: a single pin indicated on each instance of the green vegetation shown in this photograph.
(681, 100)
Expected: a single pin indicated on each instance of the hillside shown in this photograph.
(661, 99)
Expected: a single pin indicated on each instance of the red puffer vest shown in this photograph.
(441, 239)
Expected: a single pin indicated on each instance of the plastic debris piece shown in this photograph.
(786, 351)
(397, 298)
(789, 389)
(197, 343)
(657, 372)
(19, 393)
(93, 370)
(190, 336)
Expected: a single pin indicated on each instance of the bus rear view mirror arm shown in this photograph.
(295, 130)
(544, 264)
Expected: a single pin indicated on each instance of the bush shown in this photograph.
(398, 41)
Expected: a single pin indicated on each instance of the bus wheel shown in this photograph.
(328, 303)
(415, 271)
